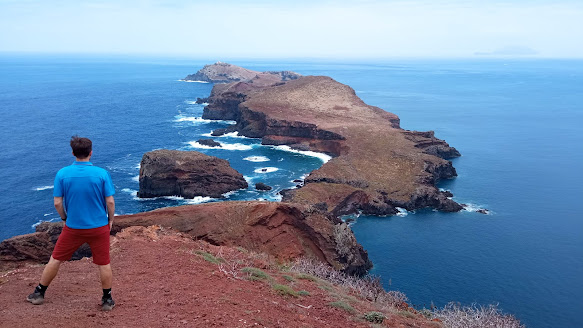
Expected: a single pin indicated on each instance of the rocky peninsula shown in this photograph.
(377, 168)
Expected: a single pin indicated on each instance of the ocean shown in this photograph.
(517, 124)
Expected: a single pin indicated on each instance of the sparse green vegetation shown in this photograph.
(210, 257)
(326, 288)
(284, 290)
(255, 273)
(304, 293)
(374, 317)
(342, 305)
(288, 278)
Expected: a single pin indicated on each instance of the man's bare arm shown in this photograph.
(58, 201)
(110, 210)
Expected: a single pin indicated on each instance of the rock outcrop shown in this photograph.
(284, 231)
(262, 186)
(225, 73)
(35, 247)
(187, 174)
(377, 166)
(209, 142)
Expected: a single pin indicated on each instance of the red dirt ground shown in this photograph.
(161, 281)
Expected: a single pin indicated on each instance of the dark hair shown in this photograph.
(81, 146)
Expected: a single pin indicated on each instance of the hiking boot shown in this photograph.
(36, 298)
(107, 304)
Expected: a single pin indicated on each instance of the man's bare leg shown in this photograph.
(106, 276)
(50, 271)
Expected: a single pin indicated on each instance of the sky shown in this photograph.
(295, 29)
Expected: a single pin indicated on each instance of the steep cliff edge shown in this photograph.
(284, 231)
(377, 166)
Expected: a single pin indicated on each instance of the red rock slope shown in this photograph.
(163, 280)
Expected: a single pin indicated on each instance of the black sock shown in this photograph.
(41, 289)
(107, 293)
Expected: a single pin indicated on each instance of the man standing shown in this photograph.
(83, 197)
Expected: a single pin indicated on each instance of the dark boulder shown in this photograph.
(209, 142)
(262, 186)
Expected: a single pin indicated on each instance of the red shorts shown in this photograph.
(71, 239)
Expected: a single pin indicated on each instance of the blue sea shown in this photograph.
(517, 124)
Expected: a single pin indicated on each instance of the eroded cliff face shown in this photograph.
(377, 166)
(187, 174)
(284, 231)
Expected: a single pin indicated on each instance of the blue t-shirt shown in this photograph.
(84, 188)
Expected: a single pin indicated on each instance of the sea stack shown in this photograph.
(186, 174)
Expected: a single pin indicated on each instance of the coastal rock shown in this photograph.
(262, 186)
(224, 73)
(36, 247)
(285, 231)
(377, 166)
(187, 174)
(209, 142)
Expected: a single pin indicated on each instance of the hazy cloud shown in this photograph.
(263, 28)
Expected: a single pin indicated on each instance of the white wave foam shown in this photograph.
(192, 119)
(256, 159)
(230, 135)
(43, 188)
(190, 201)
(224, 146)
(197, 200)
(234, 135)
(323, 157)
(469, 207)
(402, 212)
(136, 178)
(41, 221)
(276, 198)
(266, 170)
(190, 81)
(130, 191)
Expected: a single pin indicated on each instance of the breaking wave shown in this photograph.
(43, 188)
(256, 159)
(266, 170)
(323, 157)
(192, 119)
(224, 146)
